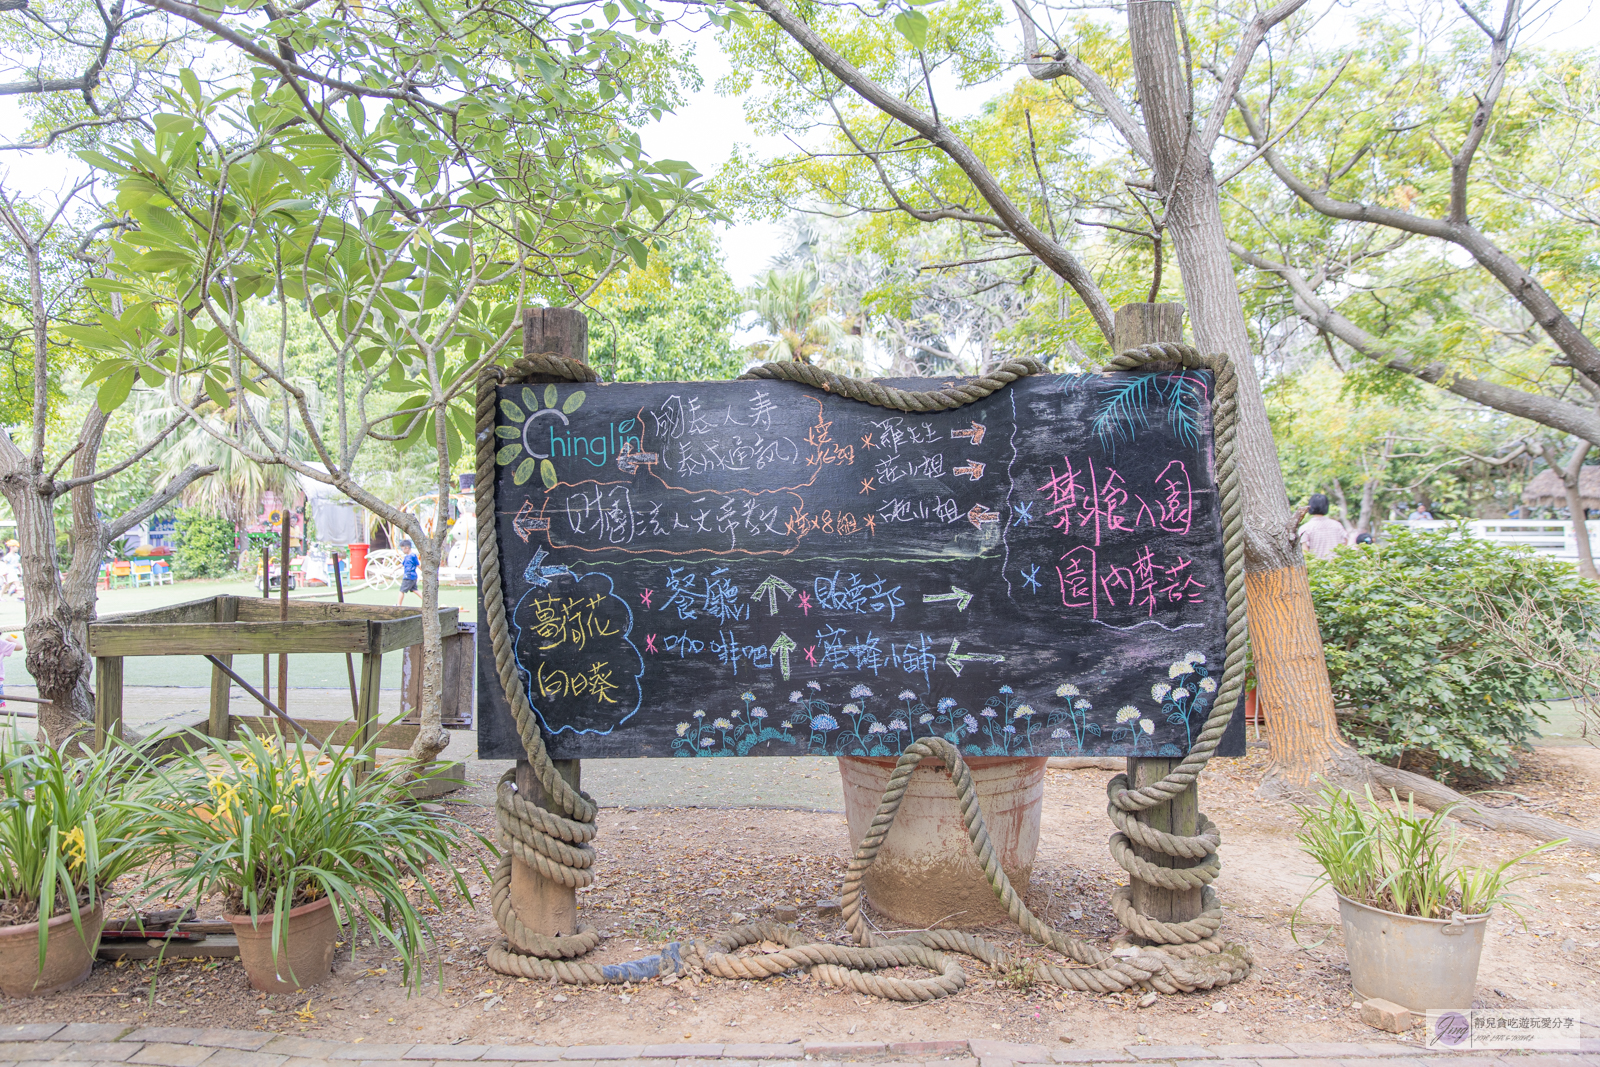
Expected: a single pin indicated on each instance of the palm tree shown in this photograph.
(794, 308)
(236, 490)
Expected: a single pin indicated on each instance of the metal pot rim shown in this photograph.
(1480, 917)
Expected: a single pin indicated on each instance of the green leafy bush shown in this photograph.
(204, 545)
(1440, 646)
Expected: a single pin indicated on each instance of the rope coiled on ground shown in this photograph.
(554, 841)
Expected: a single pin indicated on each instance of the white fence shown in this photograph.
(1553, 537)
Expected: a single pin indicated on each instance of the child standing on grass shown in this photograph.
(408, 575)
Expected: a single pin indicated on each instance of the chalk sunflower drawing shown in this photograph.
(520, 438)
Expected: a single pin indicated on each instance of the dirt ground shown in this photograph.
(668, 874)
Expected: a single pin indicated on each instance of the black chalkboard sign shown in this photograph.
(758, 568)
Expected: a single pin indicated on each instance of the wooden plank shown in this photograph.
(107, 699)
(221, 687)
(371, 681)
(336, 732)
(256, 610)
(189, 611)
(195, 639)
(215, 946)
(405, 632)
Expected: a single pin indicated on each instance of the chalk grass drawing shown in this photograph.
(733, 734)
(1004, 725)
(1125, 409)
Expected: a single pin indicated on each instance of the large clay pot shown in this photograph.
(304, 959)
(925, 874)
(68, 956)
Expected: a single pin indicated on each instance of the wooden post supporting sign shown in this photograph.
(549, 908)
(1141, 324)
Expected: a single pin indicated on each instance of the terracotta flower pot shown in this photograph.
(68, 956)
(304, 958)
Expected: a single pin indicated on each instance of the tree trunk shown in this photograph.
(431, 738)
(1292, 676)
(1571, 481)
(56, 658)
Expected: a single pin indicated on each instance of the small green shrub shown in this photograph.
(1440, 645)
(274, 825)
(1399, 861)
(204, 546)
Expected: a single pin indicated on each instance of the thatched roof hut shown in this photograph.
(1546, 490)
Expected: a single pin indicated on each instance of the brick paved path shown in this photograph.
(174, 1046)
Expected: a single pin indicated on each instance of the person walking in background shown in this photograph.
(1320, 534)
(11, 571)
(1420, 514)
(9, 643)
(408, 575)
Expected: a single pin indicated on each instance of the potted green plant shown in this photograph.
(64, 839)
(300, 841)
(1414, 915)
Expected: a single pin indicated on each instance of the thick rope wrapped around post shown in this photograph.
(1102, 972)
(1197, 936)
(555, 842)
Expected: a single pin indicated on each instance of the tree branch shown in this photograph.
(1057, 258)
(1519, 282)
(1535, 407)
(155, 502)
(1065, 64)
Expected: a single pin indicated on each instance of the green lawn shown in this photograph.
(304, 670)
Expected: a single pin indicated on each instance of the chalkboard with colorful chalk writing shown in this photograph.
(759, 568)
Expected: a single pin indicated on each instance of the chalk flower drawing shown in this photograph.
(533, 409)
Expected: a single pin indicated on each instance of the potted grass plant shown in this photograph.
(300, 842)
(64, 839)
(1414, 914)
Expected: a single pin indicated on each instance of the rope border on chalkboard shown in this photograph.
(555, 843)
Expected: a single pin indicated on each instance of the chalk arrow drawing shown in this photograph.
(973, 470)
(956, 662)
(527, 521)
(975, 434)
(980, 515)
(781, 648)
(956, 593)
(538, 575)
(770, 589)
(630, 461)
